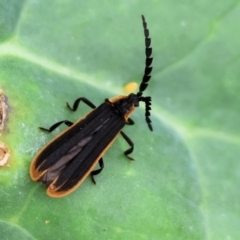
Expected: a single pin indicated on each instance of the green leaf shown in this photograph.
(185, 180)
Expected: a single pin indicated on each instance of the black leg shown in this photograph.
(130, 150)
(54, 126)
(130, 121)
(96, 172)
(77, 102)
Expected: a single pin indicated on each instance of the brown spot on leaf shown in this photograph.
(3, 109)
(4, 154)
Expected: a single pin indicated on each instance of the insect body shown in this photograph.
(64, 163)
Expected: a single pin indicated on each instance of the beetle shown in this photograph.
(64, 163)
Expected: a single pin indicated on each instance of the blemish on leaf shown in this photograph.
(3, 109)
(4, 154)
(130, 172)
(130, 87)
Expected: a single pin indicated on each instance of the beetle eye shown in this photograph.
(136, 104)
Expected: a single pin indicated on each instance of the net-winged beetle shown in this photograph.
(64, 163)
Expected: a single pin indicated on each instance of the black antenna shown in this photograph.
(146, 76)
(149, 59)
(148, 104)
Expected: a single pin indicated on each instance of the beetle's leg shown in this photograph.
(130, 121)
(96, 172)
(54, 126)
(77, 102)
(130, 150)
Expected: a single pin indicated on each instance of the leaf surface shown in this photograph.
(185, 180)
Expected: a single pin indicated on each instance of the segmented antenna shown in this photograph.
(146, 76)
(149, 59)
(148, 104)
